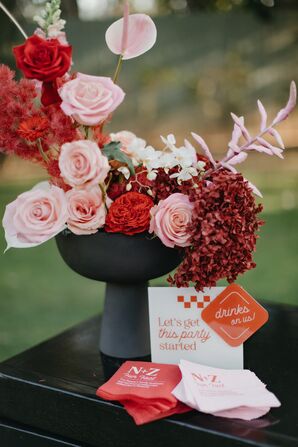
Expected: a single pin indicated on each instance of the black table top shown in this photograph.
(51, 388)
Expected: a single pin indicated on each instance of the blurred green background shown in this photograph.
(211, 58)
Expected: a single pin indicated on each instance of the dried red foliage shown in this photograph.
(54, 171)
(16, 105)
(62, 128)
(100, 137)
(224, 231)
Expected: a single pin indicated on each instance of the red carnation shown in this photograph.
(223, 231)
(33, 128)
(43, 59)
(129, 214)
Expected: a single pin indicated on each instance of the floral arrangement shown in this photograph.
(115, 182)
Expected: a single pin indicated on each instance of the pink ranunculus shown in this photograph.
(170, 220)
(35, 216)
(82, 163)
(86, 210)
(90, 99)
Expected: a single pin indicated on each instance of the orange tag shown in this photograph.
(234, 315)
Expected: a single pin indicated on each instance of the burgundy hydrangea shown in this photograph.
(164, 185)
(224, 231)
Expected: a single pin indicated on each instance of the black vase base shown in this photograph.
(111, 365)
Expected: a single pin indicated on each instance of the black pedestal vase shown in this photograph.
(125, 263)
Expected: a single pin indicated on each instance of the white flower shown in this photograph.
(49, 19)
(152, 175)
(169, 141)
(150, 157)
(125, 171)
(201, 165)
(168, 160)
(183, 157)
(39, 20)
(55, 29)
(185, 174)
(191, 151)
(131, 145)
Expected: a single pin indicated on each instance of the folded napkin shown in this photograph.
(222, 392)
(145, 390)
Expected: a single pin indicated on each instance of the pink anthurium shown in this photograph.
(132, 35)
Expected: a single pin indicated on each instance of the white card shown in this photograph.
(177, 330)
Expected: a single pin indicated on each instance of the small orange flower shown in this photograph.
(33, 128)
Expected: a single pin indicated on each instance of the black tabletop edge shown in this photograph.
(13, 433)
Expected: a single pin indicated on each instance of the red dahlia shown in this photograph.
(129, 214)
(223, 231)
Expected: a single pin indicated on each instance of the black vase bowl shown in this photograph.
(126, 264)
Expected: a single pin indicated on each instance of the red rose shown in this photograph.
(43, 59)
(129, 214)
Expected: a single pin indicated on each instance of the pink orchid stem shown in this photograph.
(14, 21)
(244, 146)
(241, 149)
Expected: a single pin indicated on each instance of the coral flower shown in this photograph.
(33, 128)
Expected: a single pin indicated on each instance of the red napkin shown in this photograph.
(145, 390)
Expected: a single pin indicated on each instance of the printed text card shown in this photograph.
(178, 332)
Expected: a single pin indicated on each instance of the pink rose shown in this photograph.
(130, 143)
(170, 219)
(90, 99)
(82, 163)
(86, 210)
(35, 216)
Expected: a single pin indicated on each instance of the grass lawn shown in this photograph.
(40, 296)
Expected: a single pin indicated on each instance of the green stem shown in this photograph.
(104, 194)
(118, 68)
(42, 152)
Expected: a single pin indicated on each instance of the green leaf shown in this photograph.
(113, 152)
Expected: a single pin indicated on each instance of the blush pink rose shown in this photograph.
(35, 216)
(170, 219)
(82, 163)
(86, 210)
(130, 143)
(90, 99)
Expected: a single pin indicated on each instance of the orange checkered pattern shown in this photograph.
(194, 301)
